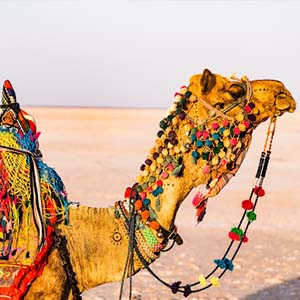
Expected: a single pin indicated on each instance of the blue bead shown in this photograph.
(222, 130)
(155, 193)
(199, 143)
(159, 190)
(146, 202)
(215, 136)
(208, 143)
(193, 136)
(195, 154)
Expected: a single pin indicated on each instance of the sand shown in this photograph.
(98, 152)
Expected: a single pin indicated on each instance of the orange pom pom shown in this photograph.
(138, 204)
(145, 214)
(154, 225)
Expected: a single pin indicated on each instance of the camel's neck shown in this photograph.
(192, 148)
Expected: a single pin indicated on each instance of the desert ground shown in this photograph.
(98, 152)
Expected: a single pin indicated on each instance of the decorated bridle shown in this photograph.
(209, 141)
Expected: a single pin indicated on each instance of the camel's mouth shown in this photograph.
(284, 103)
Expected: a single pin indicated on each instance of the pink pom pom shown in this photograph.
(214, 126)
(236, 131)
(198, 134)
(206, 169)
(233, 142)
(205, 134)
(197, 199)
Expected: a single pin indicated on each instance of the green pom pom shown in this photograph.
(163, 125)
(251, 215)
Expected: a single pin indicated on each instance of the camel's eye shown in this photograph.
(236, 91)
(281, 95)
(220, 105)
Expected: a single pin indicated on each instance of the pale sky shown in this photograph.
(138, 53)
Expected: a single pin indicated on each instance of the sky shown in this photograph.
(130, 53)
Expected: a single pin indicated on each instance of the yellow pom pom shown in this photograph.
(145, 173)
(222, 154)
(159, 160)
(187, 128)
(177, 149)
(174, 121)
(202, 280)
(215, 160)
(153, 167)
(239, 117)
(165, 152)
(242, 127)
(226, 132)
(215, 281)
(139, 179)
(226, 143)
(170, 146)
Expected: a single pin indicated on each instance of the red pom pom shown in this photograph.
(127, 192)
(245, 239)
(159, 183)
(247, 204)
(259, 191)
(233, 236)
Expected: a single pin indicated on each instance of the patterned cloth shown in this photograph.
(32, 200)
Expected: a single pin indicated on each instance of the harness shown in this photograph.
(130, 216)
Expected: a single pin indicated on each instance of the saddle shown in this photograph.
(33, 200)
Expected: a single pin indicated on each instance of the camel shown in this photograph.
(202, 140)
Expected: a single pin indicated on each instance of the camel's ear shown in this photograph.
(208, 81)
(8, 93)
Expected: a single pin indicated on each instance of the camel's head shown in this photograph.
(12, 115)
(16, 125)
(268, 98)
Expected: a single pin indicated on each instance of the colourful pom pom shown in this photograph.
(146, 202)
(259, 191)
(233, 142)
(251, 215)
(248, 109)
(205, 134)
(247, 205)
(159, 183)
(246, 123)
(202, 280)
(206, 169)
(214, 126)
(127, 192)
(233, 236)
(225, 123)
(199, 144)
(138, 204)
(197, 199)
(215, 136)
(145, 214)
(187, 291)
(175, 286)
(214, 281)
(245, 239)
(165, 175)
(154, 225)
(198, 134)
(236, 131)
